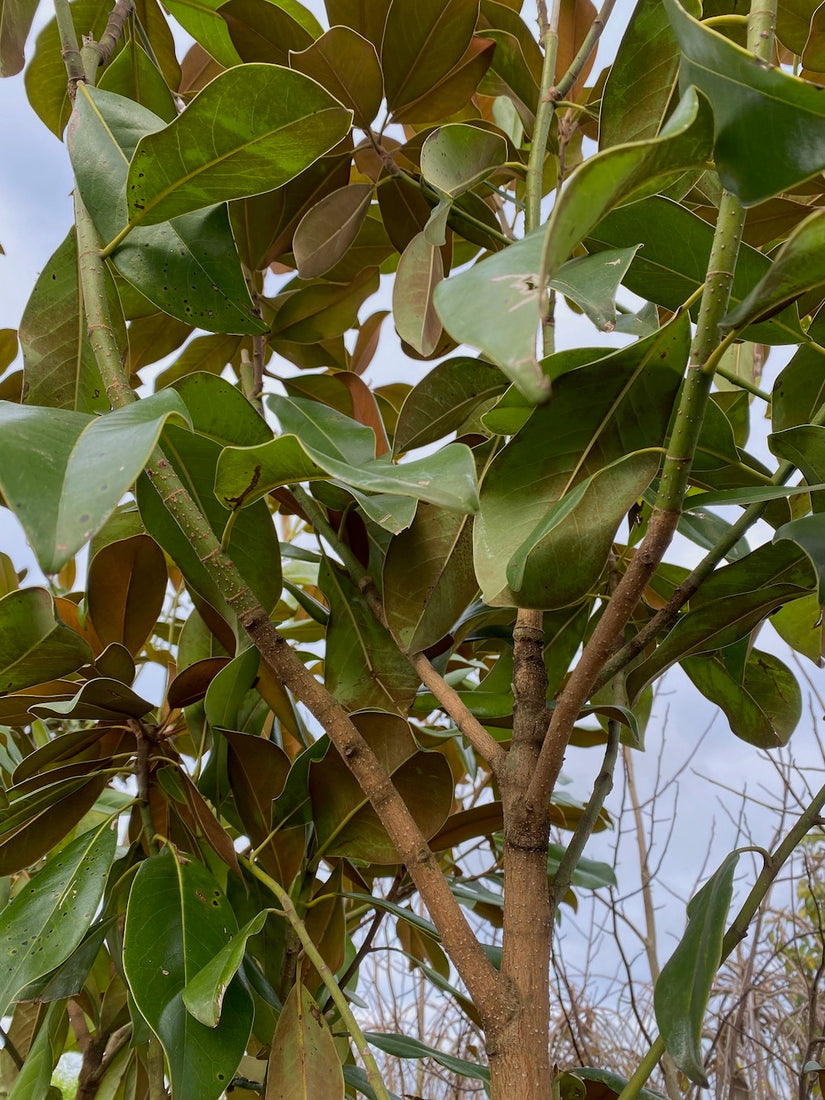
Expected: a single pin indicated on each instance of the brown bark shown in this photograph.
(518, 1050)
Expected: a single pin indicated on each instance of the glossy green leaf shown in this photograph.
(250, 130)
(420, 48)
(641, 80)
(56, 468)
(189, 267)
(203, 995)
(597, 416)
(804, 446)
(319, 442)
(494, 305)
(456, 157)
(579, 529)
(444, 400)
(420, 270)
(613, 177)
(404, 1046)
(800, 623)
(197, 921)
(799, 390)
(797, 267)
(763, 708)
(613, 1082)
(202, 19)
(681, 994)
(46, 921)
(59, 365)
(220, 410)
(253, 542)
(134, 75)
(750, 101)
(363, 666)
(671, 267)
(327, 230)
(303, 1060)
(35, 645)
(101, 699)
(346, 64)
(16, 18)
(428, 577)
(729, 605)
(346, 823)
(808, 533)
(42, 1057)
(263, 30)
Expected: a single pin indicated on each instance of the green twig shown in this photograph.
(69, 46)
(328, 978)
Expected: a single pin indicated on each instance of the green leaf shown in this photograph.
(457, 156)
(363, 666)
(41, 1058)
(251, 129)
(671, 266)
(189, 267)
(345, 822)
(201, 18)
(60, 369)
(404, 1046)
(800, 624)
(682, 991)
(428, 577)
(16, 18)
(804, 446)
(319, 443)
(197, 921)
(590, 874)
(808, 533)
(420, 270)
(134, 75)
(327, 230)
(762, 709)
(749, 101)
(641, 80)
(612, 177)
(56, 469)
(346, 64)
(579, 528)
(46, 921)
(203, 995)
(418, 53)
(444, 400)
(101, 699)
(401, 911)
(35, 645)
(614, 1082)
(728, 607)
(798, 266)
(303, 1060)
(599, 414)
(253, 542)
(592, 281)
(265, 30)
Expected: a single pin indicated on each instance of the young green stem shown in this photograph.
(328, 978)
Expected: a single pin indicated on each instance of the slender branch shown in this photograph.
(69, 46)
(485, 745)
(602, 787)
(665, 516)
(328, 978)
(588, 45)
(544, 120)
(144, 748)
(10, 1048)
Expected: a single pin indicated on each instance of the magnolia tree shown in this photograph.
(381, 614)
